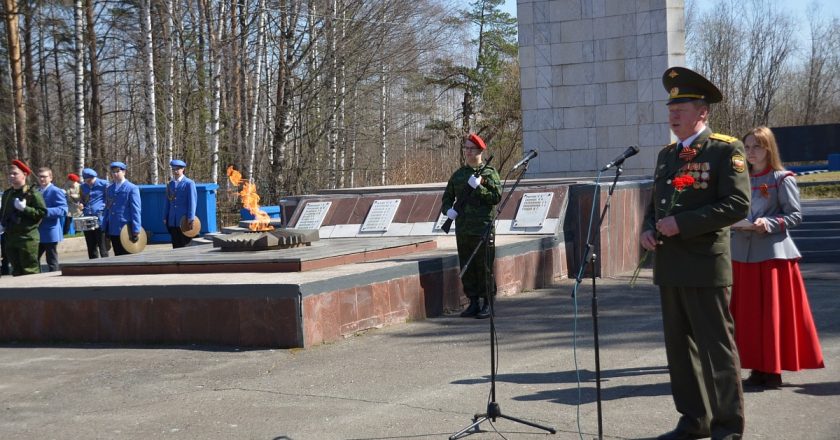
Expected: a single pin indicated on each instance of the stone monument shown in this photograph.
(590, 73)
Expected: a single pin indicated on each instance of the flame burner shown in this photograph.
(265, 240)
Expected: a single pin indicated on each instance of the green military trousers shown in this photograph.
(23, 256)
(703, 360)
(480, 272)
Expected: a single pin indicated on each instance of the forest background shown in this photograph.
(303, 95)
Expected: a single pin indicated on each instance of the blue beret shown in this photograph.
(177, 163)
(87, 173)
(117, 165)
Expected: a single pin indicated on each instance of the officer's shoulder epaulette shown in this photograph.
(669, 146)
(723, 138)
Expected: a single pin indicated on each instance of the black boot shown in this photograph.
(484, 313)
(472, 309)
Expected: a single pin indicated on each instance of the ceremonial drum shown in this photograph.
(86, 223)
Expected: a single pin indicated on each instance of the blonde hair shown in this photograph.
(765, 138)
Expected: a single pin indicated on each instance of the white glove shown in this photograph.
(20, 204)
(2, 229)
(474, 181)
(451, 213)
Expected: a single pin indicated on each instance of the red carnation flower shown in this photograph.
(682, 182)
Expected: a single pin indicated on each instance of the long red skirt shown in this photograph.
(774, 329)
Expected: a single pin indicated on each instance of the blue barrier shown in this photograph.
(834, 162)
(153, 202)
(272, 211)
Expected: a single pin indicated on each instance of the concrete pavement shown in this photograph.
(418, 380)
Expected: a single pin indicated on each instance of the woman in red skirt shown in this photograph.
(774, 329)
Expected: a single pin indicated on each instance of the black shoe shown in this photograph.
(772, 380)
(679, 434)
(472, 309)
(756, 379)
(484, 313)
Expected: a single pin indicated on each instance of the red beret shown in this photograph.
(474, 138)
(22, 166)
(73, 177)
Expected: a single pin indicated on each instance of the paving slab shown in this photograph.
(417, 380)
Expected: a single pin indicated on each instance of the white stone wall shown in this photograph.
(591, 81)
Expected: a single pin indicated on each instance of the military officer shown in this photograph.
(21, 209)
(180, 202)
(93, 205)
(478, 212)
(122, 207)
(692, 261)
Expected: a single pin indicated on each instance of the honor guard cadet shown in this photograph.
(93, 205)
(478, 212)
(21, 209)
(180, 206)
(692, 264)
(122, 208)
(51, 228)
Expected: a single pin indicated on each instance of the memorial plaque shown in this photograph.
(313, 215)
(533, 210)
(380, 215)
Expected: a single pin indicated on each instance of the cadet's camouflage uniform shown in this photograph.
(477, 213)
(21, 233)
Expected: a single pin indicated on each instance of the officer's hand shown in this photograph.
(668, 226)
(20, 204)
(474, 181)
(451, 213)
(2, 229)
(648, 240)
(165, 223)
(134, 238)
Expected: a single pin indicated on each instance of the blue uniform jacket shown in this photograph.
(94, 199)
(122, 206)
(52, 225)
(180, 201)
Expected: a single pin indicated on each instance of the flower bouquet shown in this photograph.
(680, 184)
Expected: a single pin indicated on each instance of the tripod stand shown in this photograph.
(494, 411)
(589, 258)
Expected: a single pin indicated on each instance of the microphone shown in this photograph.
(531, 154)
(630, 151)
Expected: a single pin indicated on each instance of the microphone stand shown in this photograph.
(589, 259)
(494, 411)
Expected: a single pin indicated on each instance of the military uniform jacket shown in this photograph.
(699, 256)
(73, 190)
(180, 201)
(479, 211)
(52, 225)
(775, 197)
(93, 197)
(22, 226)
(122, 207)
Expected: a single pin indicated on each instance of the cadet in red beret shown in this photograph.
(481, 187)
(73, 189)
(21, 209)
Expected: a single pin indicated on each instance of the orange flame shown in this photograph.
(251, 201)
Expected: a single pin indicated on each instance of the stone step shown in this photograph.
(823, 256)
(820, 217)
(815, 232)
(818, 243)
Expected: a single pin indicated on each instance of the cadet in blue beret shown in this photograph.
(180, 203)
(692, 264)
(93, 205)
(122, 207)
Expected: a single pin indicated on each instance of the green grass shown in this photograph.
(820, 192)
